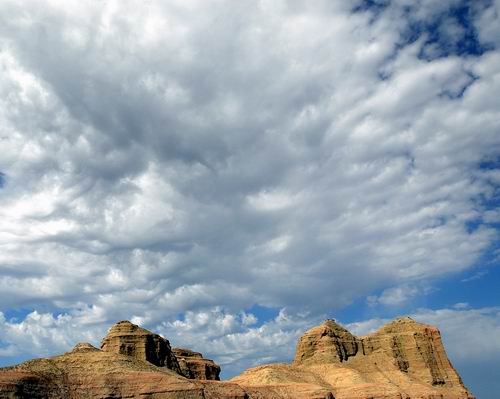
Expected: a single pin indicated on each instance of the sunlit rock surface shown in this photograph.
(402, 360)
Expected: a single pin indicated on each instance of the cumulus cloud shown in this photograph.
(43, 334)
(178, 158)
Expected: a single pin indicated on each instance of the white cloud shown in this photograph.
(394, 295)
(487, 24)
(44, 334)
(174, 158)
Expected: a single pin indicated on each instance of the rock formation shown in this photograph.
(416, 350)
(193, 365)
(402, 360)
(87, 372)
(82, 347)
(131, 340)
(327, 343)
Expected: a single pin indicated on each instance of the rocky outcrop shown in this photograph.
(129, 339)
(193, 365)
(402, 360)
(84, 347)
(92, 373)
(98, 374)
(327, 343)
(416, 349)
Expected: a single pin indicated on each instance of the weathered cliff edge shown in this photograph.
(402, 360)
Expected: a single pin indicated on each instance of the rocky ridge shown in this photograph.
(402, 360)
(193, 365)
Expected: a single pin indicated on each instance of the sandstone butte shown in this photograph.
(402, 360)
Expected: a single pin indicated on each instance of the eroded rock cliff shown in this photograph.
(129, 339)
(327, 343)
(87, 372)
(416, 350)
(402, 360)
(193, 365)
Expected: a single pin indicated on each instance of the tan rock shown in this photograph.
(99, 374)
(84, 347)
(103, 375)
(402, 360)
(327, 343)
(416, 350)
(129, 339)
(194, 366)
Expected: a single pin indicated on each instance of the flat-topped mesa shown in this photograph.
(194, 366)
(416, 349)
(327, 343)
(129, 339)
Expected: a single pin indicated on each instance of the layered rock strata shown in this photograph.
(402, 360)
(129, 339)
(327, 343)
(93, 373)
(193, 365)
(416, 350)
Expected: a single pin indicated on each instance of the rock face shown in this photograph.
(402, 360)
(193, 365)
(82, 347)
(327, 343)
(416, 350)
(131, 340)
(87, 372)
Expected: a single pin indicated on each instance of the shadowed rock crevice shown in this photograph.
(398, 353)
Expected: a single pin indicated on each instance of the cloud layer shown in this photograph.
(174, 160)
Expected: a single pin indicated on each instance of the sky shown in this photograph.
(229, 174)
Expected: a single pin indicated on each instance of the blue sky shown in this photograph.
(230, 175)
